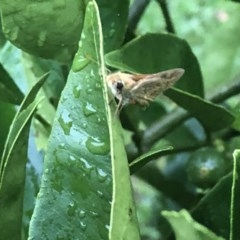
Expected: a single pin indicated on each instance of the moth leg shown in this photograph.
(119, 107)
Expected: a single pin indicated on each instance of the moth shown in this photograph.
(141, 88)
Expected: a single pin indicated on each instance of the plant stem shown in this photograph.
(166, 15)
(135, 13)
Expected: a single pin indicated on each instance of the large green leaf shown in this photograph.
(186, 228)
(76, 190)
(157, 52)
(212, 116)
(42, 28)
(12, 169)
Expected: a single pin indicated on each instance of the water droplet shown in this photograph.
(77, 91)
(71, 210)
(13, 33)
(86, 164)
(83, 36)
(59, 4)
(101, 175)
(66, 122)
(62, 146)
(79, 62)
(94, 214)
(82, 214)
(88, 109)
(112, 32)
(41, 38)
(100, 194)
(72, 158)
(89, 90)
(98, 85)
(92, 73)
(97, 146)
(84, 125)
(107, 226)
(83, 226)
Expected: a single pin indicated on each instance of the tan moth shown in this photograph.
(141, 88)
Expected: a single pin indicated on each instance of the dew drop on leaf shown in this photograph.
(101, 175)
(83, 226)
(59, 4)
(65, 122)
(13, 34)
(71, 210)
(42, 38)
(80, 62)
(76, 91)
(82, 214)
(88, 109)
(96, 146)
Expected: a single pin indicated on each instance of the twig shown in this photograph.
(136, 10)
(135, 13)
(166, 15)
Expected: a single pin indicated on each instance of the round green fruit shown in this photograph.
(205, 167)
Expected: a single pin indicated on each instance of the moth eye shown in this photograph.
(119, 85)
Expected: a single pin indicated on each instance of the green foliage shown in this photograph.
(182, 150)
(13, 164)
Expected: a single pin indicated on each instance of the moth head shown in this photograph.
(116, 84)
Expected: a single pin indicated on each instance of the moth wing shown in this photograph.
(149, 86)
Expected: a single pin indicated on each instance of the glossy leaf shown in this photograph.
(186, 228)
(212, 116)
(76, 188)
(42, 28)
(153, 53)
(12, 169)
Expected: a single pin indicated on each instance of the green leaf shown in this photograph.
(212, 116)
(235, 207)
(147, 157)
(25, 104)
(12, 169)
(8, 111)
(76, 190)
(213, 210)
(42, 28)
(114, 16)
(9, 92)
(153, 53)
(123, 209)
(186, 228)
